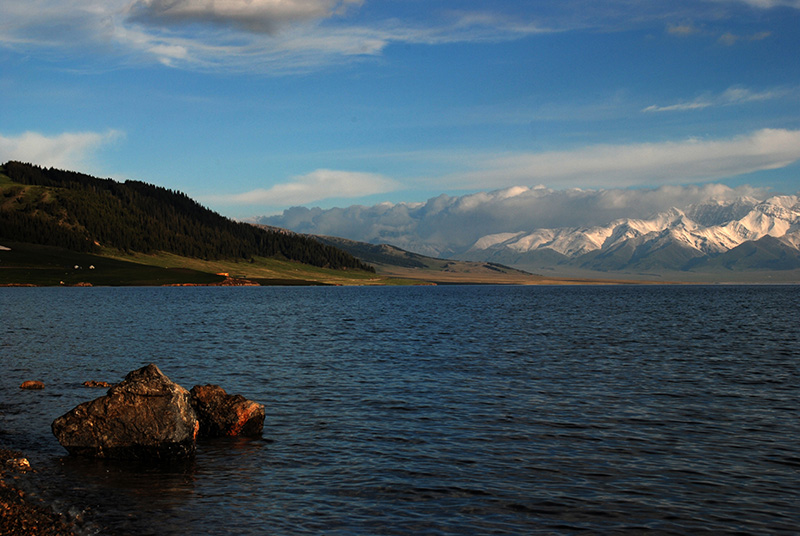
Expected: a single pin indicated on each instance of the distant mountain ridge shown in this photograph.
(744, 234)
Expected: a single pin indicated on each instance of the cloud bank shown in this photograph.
(69, 150)
(447, 225)
(596, 166)
(638, 164)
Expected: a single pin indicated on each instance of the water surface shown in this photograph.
(429, 410)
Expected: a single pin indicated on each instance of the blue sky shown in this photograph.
(254, 106)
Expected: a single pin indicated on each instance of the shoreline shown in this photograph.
(18, 513)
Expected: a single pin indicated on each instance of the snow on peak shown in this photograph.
(712, 227)
(788, 202)
(492, 240)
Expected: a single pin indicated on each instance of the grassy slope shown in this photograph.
(391, 261)
(262, 270)
(50, 266)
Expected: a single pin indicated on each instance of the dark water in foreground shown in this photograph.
(432, 410)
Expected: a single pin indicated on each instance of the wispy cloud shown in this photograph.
(636, 164)
(315, 186)
(273, 36)
(764, 4)
(731, 39)
(69, 150)
(729, 97)
(682, 29)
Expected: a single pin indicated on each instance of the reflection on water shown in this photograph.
(437, 410)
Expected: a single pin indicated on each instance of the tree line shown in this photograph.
(80, 211)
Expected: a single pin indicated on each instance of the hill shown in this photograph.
(395, 262)
(85, 214)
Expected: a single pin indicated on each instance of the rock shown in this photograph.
(32, 384)
(19, 464)
(146, 416)
(221, 414)
(94, 383)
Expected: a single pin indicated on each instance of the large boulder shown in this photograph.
(146, 416)
(221, 414)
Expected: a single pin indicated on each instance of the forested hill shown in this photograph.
(82, 213)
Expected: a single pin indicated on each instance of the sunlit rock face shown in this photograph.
(146, 416)
(221, 414)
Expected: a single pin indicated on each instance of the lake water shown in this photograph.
(429, 410)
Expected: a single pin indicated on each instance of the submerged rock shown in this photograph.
(95, 383)
(32, 384)
(221, 414)
(146, 416)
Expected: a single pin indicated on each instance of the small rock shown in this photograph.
(20, 464)
(32, 384)
(221, 414)
(94, 383)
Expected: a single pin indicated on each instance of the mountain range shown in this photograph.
(708, 233)
(740, 235)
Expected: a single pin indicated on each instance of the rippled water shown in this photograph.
(429, 410)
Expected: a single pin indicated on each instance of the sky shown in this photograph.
(255, 106)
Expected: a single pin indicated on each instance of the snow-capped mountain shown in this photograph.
(673, 240)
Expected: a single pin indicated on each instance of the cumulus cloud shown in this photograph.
(252, 15)
(447, 225)
(69, 150)
(637, 164)
(315, 186)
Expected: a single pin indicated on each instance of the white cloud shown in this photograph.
(636, 164)
(69, 150)
(275, 36)
(730, 97)
(447, 225)
(315, 186)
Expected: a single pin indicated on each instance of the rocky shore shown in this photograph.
(146, 417)
(18, 514)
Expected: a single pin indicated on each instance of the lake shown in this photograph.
(428, 410)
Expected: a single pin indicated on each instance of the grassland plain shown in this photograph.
(37, 265)
(30, 264)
